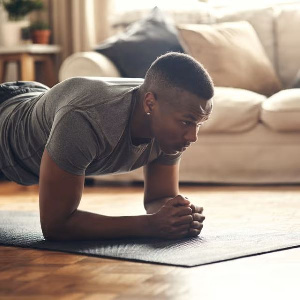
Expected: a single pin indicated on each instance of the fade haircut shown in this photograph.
(178, 70)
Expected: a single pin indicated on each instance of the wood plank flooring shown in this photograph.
(35, 274)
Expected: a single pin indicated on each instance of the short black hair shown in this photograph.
(180, 70)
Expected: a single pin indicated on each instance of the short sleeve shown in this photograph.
(72, 143)
(168, 159)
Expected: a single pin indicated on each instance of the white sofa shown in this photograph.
(250, 138)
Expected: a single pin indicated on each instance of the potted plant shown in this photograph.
(17, 11)
(40, 32)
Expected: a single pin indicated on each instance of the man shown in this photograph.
(84, 126)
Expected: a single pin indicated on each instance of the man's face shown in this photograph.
(175, 123)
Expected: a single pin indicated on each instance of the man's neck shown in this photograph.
(139, 126)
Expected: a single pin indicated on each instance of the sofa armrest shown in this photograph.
(87, 64)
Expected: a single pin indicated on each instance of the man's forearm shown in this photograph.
(83, 225)
(155, 205)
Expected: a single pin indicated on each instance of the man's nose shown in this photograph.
(192, 135)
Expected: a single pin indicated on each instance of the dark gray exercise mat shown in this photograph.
(216, 244)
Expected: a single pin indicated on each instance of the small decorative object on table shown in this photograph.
(40, 32)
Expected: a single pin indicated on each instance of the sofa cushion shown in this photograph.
(262, 20)
(134, 50)
(234, 110)
(224, 51)
(196, 12)
(281, 112)
(288, 42)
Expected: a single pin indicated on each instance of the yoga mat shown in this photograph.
(233, 229)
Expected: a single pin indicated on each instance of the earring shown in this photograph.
(148, 113)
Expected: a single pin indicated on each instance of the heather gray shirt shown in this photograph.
(84, 125)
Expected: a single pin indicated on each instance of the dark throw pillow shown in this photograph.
(142, 42)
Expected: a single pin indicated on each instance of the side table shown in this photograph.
(26, 56)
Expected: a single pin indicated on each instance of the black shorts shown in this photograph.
(11, 89)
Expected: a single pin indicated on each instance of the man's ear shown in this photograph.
(149, 102)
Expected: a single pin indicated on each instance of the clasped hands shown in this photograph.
(178, 218)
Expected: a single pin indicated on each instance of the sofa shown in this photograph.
(253, 134)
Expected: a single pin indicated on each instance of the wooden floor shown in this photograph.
(35, 274)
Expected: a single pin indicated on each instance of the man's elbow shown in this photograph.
(53, 232)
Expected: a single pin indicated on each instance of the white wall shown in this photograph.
(2, 19)
(11, 74)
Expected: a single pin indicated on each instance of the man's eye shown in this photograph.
(185, 123)
(188, 123)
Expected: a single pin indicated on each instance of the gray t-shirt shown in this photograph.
(84, 125)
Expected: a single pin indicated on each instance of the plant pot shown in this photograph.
(41, 36)
(12, 32)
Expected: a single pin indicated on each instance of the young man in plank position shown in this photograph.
(84, 126)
